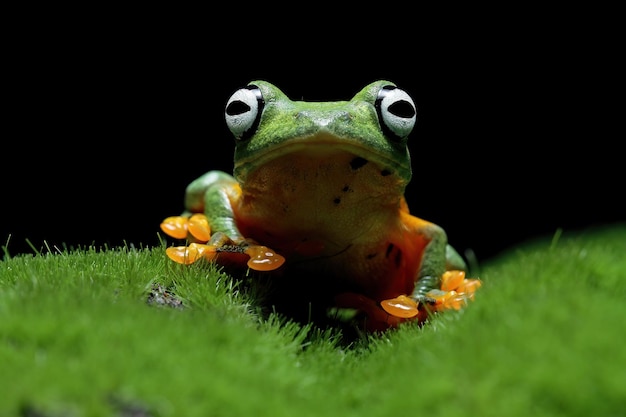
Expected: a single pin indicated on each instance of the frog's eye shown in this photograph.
(243, 111)
(396, 112)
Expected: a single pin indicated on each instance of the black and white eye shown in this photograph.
(243, 111)
(396, 112)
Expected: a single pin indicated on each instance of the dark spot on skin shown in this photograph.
(370, 256)
(357, 163)
(346, 188)
(337, 200)
(385, 172)
(398, 259)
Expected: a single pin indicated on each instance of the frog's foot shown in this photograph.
(453, 293)
(217, 247)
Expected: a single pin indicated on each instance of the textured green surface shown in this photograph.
(544, 337)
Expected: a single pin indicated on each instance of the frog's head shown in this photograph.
(372, 127)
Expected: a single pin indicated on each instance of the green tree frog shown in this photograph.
(316, 199)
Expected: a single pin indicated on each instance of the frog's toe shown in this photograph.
(402, 306)
(198, 227)
(469, 286)
(175, 226)
(450, 280)
(440, 300)
(263, 258)
(189, 254)
(194, 228)
(455, 291)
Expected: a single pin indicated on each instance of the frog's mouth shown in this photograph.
(321, 155)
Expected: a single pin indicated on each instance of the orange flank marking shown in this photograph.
(199, 228)
(401, 306)
(263, 258)
(175, 226)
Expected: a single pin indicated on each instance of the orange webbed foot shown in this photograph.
(196, 229)
(455, 291)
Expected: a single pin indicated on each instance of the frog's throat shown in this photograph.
(397, 164)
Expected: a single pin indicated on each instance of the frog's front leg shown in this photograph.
(440, 281)
(213, 196)
(433, 260)
(431, 272)
(454, 261)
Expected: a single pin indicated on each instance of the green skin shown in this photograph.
(321, 183)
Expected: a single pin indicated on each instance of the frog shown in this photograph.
(316, 200)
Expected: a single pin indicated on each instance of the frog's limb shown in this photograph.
(438, 257)
(434, 260)
(213, 194)
(454, 292)
(454, 261)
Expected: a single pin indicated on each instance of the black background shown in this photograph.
(519, 132)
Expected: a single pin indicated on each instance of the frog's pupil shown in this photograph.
(237, 107)
(402, 108)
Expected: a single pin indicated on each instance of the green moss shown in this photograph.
(544, 336)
